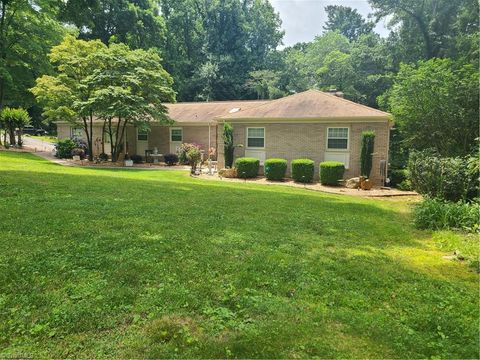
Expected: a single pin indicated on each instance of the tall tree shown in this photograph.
(234, 35)
(27, 32)
(429, 28)
(183, 50)
(133, 22)
(130, 88)
(436, 104)
(347, 21)
(66, 96)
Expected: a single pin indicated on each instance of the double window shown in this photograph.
(256, 137)
(337, 138)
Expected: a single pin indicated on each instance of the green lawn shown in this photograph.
(149, 264)
(47, 138)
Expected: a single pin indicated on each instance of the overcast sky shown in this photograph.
(302, 20)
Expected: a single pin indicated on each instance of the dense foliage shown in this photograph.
(366, 153)
(64, 148)
(331, 172)
(440, 214)
(275, 169)
(436, 104)
(303, 170)
(451, 179)
(247, 167)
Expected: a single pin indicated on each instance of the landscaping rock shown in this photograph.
(227, 173)
(353, 183)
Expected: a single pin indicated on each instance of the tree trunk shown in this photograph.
(103, 137)
(11, 133)
(19, 135)
(90, 141)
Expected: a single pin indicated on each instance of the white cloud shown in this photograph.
(302, 20)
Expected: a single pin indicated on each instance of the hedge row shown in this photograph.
(303, 170)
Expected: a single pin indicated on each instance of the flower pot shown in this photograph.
(366, 184)
(128, 163)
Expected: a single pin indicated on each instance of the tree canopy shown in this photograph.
(347, 21)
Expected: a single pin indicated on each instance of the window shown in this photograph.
(337, 138)
(256, 137)
(176, 135)
(77, 133)
(142, 135)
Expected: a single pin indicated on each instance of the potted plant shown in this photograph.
(78, 154)
(127, 161)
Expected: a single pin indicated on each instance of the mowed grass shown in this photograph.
(152, 264)
(46, 138)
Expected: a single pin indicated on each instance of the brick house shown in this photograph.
(311, 124)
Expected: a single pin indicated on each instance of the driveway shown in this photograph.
(37, 145)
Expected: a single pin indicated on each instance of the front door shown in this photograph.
(142, 142)
(176, 139)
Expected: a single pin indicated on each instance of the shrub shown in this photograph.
(228, 144)
(439, 214)
(137, 159)
(170, 159)
(193, 157)
(275, 169)
(453, 179)
(303, 170)
(64, 148)
(103, 157)
(183, 151)
(366, 155)
(247, 167)
(331, 172)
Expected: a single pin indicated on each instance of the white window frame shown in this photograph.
(72, 132)
(336, 149)
(170, 134)
(139, 133)
(264, 138)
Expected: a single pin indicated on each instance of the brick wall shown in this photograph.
(308, 140)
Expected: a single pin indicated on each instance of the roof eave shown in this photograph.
(353, 119)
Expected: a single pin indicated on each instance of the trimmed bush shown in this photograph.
(303, 170)
(170, 159)
(247, 167)
(275, 169)
(137, 159)
(228, 144)
(437, 214)
(64, 148)
(366, 155)
(331, 172)
(453, 178)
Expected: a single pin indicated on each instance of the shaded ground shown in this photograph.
(149, 264)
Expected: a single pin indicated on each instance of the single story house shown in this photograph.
(311, 124)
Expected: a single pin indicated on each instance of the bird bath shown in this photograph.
(155, 155)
